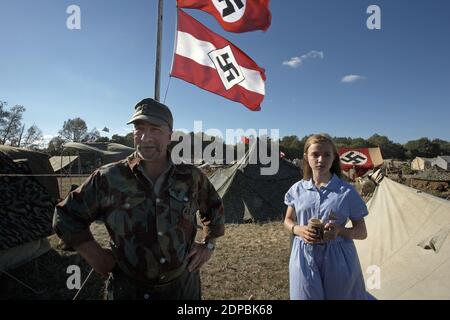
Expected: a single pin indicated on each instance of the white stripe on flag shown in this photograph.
(192, 48)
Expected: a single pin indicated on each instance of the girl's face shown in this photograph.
(320, 157)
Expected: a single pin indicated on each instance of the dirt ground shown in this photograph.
(250, 262)
(439, 189)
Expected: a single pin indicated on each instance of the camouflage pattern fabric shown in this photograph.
(185, 287)
(26, 207)
(150, 236)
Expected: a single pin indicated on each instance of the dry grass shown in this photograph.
(250, 262)
(65, 183)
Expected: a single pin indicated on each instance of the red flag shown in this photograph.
(355, 157)
(211, 62)
(234, 15)
(245, 140)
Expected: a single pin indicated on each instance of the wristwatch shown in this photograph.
(209, 245)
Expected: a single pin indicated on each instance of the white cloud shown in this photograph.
(43, 143)
(47, 137)
(295, 62)
(352, 78)
(313, 54)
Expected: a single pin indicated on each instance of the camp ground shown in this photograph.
(406, 255)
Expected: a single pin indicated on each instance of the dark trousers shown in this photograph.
(185, 287)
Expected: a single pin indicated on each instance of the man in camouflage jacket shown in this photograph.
(148, 205)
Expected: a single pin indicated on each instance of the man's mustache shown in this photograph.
(151, 147)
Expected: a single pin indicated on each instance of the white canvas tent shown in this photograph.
(421, 163)
(408, 240)
(62, 162)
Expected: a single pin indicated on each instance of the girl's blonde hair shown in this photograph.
(320, 138)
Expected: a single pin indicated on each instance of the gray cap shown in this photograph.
(152, 111)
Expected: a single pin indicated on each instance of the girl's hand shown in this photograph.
(307, 234)
(331, 231)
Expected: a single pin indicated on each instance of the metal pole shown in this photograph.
(158, 51)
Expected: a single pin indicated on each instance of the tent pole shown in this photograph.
(158, 51)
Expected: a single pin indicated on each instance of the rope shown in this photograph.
(42, 175)
(79, 290)
(22, 283)
(167, 89)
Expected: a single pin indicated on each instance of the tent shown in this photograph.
(69, 163)
(421, 163)
(408, 247)
(92, 155)
(26, 205)
(250, 196)
(442, 162)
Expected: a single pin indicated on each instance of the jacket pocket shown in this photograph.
(182, 205)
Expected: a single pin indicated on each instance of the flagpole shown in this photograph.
(158, 51)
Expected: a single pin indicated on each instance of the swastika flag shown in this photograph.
(211, 62)
(234, 15)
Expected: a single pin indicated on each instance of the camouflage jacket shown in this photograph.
(150, 235)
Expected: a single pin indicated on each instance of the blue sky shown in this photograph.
(99, 72)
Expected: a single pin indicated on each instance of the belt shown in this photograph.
(163, 279)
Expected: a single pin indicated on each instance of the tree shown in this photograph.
(55, 146)
(91, 136)
(10, 131)
(422, 147)
(342, 142)
(360, 143)
(3, 115)
(32, 137)
(292, 147)
(444, 146)
(127, 140)
(73, 130)
(102, 139)
(389, 149)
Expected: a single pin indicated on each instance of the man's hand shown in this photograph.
(198, 256)
(100, 259)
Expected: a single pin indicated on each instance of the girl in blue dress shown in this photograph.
(325, 268)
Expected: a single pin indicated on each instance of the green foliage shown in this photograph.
(292, 146)
(389, 149)
(74, 130)
(125, 140)
(423, 147)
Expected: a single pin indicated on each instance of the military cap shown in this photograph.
(152, 111)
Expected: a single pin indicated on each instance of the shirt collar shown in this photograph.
(333, 184)
(134, 161)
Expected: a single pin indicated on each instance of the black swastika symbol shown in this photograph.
(228, 67)
(230, 7)
(353, 158)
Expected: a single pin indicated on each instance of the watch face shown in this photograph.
(210, 246)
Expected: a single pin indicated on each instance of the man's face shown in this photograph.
(151, 140)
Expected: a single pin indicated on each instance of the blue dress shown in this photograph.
(331, 270)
